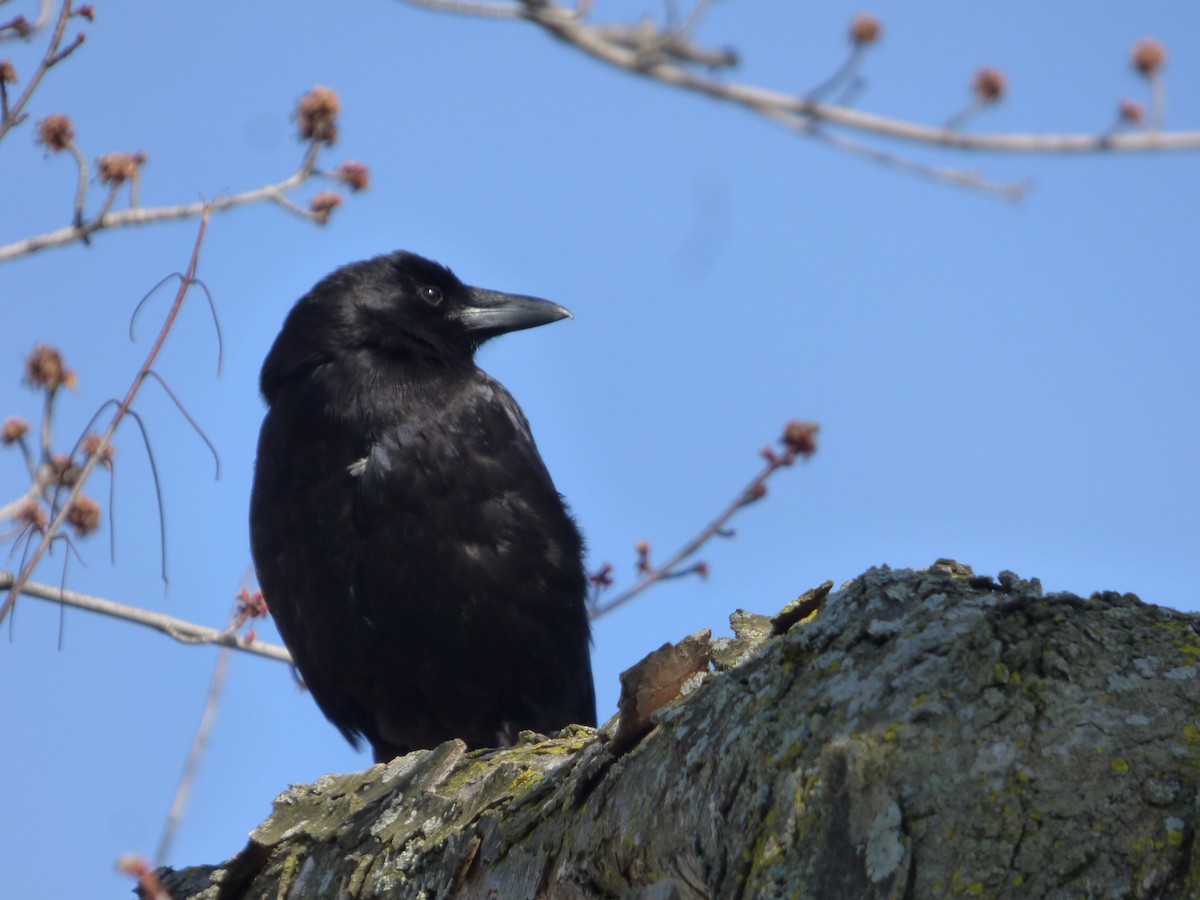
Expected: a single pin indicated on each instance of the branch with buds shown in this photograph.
(799, 441)
(316, 118)
(669, 55)
(12, 111)
(53, 475)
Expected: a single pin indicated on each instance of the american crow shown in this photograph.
(421, 567)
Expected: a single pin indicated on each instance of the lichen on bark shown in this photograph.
(926, 733)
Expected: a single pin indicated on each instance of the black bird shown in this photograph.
(422, 569)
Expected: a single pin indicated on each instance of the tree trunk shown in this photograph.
(927, 733)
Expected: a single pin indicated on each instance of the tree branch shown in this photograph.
(660, 55)
(145, 215)
(799, 440)
(179, 629)
(52, 56)
(98, 452)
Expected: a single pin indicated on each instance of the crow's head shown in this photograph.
(400, 308)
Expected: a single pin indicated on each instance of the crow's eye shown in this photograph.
(431, 295)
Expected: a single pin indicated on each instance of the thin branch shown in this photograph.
(1012, 190)
(187, 415)
(158, 495)
(27, 455)
(118, 417)
(248, 606)
(799, 440)
(15, 507)
(562, 24)
(841, 74)
(45, 8)
(179, 629)
(482, 9)
(81, 188)
(655, 54)
(144, 215)
(1158, 100)
(15, 113)
(187, 779)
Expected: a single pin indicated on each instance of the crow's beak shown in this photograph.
(489, 313)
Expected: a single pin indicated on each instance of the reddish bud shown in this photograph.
(643, 552)
(1148, 56)
(14, 429)
(603, 576)
(31, 513)
(354, 175)
(989, 85)
(8, 73)
(251, 605)
(317, 115)
(323, 204)
(1131, 112)
(56, 132)
(91, 445)
(702, 569)
(251, 636)
(20, 27)
(87, 11)
(864, 29)
(84, 515)
(800, 438)
(117, 168)
(44, 368)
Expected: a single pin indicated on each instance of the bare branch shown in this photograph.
(158, 494)
(183, 791)
(187, 415)
(179, 629)
(45, 8)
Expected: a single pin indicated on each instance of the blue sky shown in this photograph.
(1010, 385)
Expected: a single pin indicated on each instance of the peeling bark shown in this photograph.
(927, 733)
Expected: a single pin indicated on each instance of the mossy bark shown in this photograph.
(928, 733)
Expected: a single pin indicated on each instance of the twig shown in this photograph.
(142, 215)
(81, 188)
(1013, 190)
(106, 439)
(187, 779)
(1158, 101)
(799, 441)
(181, 630)
(45, 7)
(50, 58)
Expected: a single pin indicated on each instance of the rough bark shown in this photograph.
(927, 733)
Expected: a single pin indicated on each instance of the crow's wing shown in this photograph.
(468, 576)
(421, 567)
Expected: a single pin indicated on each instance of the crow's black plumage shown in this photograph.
(409, 542)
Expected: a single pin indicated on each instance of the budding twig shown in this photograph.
(15, 114)
(799, 440)
(317, 120)
(665, 57)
